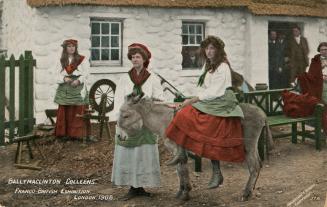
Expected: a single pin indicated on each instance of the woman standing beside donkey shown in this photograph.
(210, 123)
(136, 158)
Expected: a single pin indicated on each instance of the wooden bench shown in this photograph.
(270, 101)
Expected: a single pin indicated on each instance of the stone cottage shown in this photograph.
(172, 29)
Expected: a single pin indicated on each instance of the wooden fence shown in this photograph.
(21, 70)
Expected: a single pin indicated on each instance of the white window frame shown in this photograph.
(99, 63)
(195, 24)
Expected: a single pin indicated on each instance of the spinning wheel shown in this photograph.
(102, 90)
(102, 100)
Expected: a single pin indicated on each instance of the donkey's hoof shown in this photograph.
(246, 195)
(179, 194)
(244, 198)
(184, 197)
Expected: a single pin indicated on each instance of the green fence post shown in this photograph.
(2, 101)
(30, 88)
(12, 98)
(21, 130)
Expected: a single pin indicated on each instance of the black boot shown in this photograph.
(142, 192)
(180, 157)
(217, 178)
(132, 192)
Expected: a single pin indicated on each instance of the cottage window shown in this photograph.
(192, 35)
(106, 37)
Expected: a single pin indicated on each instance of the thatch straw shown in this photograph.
(313, 8)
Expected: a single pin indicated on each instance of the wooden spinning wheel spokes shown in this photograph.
(103, 88)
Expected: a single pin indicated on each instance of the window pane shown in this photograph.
(105, 28)
(114, 41)
(184, 39)
(198, 39)
(198, 29)
(114, 54)
(95, 28)
(192, 29)
(184, 29)
(95, 41)
(192, 39)
(104, 54)
(105, 41)
(95, 54)
(114, 28)
(191, 58)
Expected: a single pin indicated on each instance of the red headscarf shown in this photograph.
(139, 79)
(69, 41)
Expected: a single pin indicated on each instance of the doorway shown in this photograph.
(279, 34)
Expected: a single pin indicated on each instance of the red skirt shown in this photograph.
(212, 137)
(68, 125)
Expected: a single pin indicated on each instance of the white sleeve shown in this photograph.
(83, 69)
(221, 79)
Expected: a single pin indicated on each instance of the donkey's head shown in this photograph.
(130, 120)
(138, 111)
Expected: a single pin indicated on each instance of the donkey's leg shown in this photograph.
(254, 165)
(180, 157)
(217, 177)
(174, 149)
(181, 181)
(182, 171)
(184, 181)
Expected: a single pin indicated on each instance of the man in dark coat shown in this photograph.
(277, 74)
(297, 53)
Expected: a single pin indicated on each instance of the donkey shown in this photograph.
(136, 113)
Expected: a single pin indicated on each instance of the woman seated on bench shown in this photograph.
(314, 82)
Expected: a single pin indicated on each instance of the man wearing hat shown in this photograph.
(136, 164)
(71, 94)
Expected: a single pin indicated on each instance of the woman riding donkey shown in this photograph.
(209, 124)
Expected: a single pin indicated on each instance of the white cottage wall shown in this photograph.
(322, 30)
(42, 30)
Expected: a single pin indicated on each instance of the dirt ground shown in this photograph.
(292, 168)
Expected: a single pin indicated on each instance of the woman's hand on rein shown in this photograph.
(189, 101)
(67, 80)
(173, 105)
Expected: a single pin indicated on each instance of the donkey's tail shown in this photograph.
(269, 139)
(269, 136)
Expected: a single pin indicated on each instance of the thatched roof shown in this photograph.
(313, 8)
